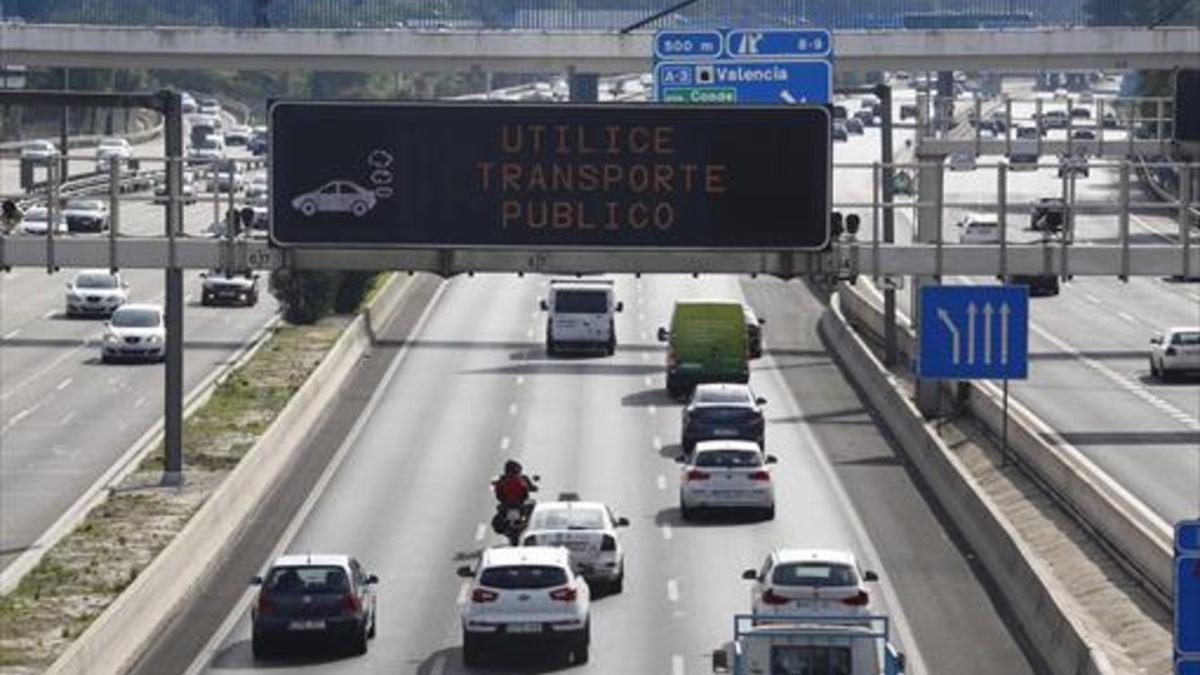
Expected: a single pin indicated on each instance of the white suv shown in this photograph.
(526, 597)
(581, 316)
(810, 582)
(1175, 350)
(588, 530)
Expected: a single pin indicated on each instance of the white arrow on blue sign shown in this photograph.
(974, 332)
(778, 43)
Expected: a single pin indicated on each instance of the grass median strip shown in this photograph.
(85, 571)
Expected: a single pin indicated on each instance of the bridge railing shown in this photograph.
(590, 14)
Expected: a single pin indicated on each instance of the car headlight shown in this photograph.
(111, 337)
(154, 339)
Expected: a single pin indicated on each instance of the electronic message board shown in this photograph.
(414, 175)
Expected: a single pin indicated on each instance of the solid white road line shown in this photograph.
(512, 408)
(520, 380)
(672, 590)
(480, 531)
(50, 314)
(17, 331)
(1127, 317)
(649, 381)
(676, 664)
(141, 400)
(661, 482)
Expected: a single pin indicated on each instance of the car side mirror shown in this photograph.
(544, 305)
(720, 661)
(620, 306)
(1156, 340)
(204, 275)
(680, 459)
(870, 576)
(256, 581)
(760, 401)
(465, 572)
(750, 575)
(663, 335)
(372, 579)
(622, 522)
(771, 459)
(762, 321)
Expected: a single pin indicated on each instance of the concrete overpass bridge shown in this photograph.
(585, 51)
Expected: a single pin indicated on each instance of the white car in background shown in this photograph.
(96, 292)
(1175, 350)
(977, 228)
(810, 582)
(110, 149)
(726, 474)
(39, 151)
(588, 530)
(961, 161)
(135, 332)
(36, 220)
(525, 597)
(237, 134)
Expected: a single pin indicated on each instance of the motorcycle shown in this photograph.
(511, 520)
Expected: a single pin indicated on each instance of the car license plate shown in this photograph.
(306, 625)
(524, 627)
(577, 546)
(725, 431)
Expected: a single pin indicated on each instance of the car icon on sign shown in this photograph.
(336, 196)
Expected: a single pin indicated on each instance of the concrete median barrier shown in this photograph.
(1054, 626)
(119, 636)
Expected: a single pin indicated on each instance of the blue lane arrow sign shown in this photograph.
(974, 332)
(778, 43)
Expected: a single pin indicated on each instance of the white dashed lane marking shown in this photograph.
(672, 590)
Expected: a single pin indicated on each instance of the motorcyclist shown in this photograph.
(513, 487)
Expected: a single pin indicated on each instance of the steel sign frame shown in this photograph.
(701, 225)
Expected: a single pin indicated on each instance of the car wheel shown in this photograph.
(358, 643)
(580, 655)
(611, 348)
(686, 512)
(359, 209)
(551, 348)
(374, 624)
(259, 646)
(308, 207)
(618, 584)
(205, 300)
(1154, 370)
(472, 655)
(769, 513)
(252, 299)
(104, 358)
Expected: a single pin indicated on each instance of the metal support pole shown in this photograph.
(53, 214)
(1002, 217)
(1004, 429)
(173, 392)
(1123, 221)
(1100, 127)
(891, 354)
(1185, 216)
(929, 230)
(876, 179)
(114, 210)
(1037, 125)
(64, 132)
(1008, 126)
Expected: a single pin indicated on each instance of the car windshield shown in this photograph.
(315, 580)
(581, 302)
(84, 205)
(523, 576)
(721, 413)
(814, 573)
(1189, 338)
(207, 143)
(135, 318)
(729, 458)
(723, 395)
(95, 281)
(576, 518)
(112, 143)
(36, 214)
(225, 166)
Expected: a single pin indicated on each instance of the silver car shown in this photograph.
(336, 196)
(96, 293)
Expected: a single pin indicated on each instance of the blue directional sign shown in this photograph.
(776, 44)
(674, 44)
(1187, 596)
(1187, 666)
(974, 332)
(744, 82)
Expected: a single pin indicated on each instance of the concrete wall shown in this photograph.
(597, 52)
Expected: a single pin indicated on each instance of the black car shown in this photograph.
(839, 132)
(723, 411)
(1039, 284)
(257, 145)
(308, 597)
(1049, 215)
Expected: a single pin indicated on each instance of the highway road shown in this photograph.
(475, 387)
(1089, 374)
(64, 417)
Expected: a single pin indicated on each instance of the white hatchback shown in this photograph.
(726, 474)
(526, 597)
(811, 582)
(588, 530)
(1175, 350)
(978, 229)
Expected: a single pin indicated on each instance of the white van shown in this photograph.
(580, 316)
